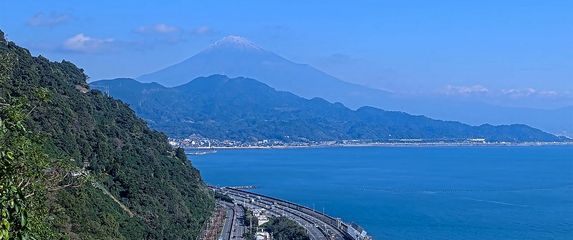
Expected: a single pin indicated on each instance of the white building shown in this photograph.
(262, 236)
(261, 216)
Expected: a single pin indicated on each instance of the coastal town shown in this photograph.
(199, 142)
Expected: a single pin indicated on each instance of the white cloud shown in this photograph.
(549, 93)
(514, 93)
(465, 90)
(202, 30)
(517, 93)
(86, 44)
(48, 20)
(159, 28)
(532, 92)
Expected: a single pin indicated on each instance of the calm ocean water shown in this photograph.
(416, 193)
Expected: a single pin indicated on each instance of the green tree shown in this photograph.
(23, 168)
(283, 228)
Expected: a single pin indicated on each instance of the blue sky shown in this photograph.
(515, 48)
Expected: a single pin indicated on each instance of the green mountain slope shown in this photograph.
(245, 109)
(135, 185)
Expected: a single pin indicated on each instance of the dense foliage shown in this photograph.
(283, 228)
(24, 175)
(223, 197)
(136, 186)
(244, 109)
(252, 223)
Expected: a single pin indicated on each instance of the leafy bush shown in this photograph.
(283, 228)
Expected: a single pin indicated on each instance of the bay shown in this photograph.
(415, 192)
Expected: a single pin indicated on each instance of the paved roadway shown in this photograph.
(239, 227)
(315, 227)
(233, 227)
(228, 225)
(314, 233)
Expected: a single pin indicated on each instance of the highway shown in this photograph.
(315, 227)
(233, 227)
(313, 232)
(228, 225)
(239, 227)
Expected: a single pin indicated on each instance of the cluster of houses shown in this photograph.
(262, 218)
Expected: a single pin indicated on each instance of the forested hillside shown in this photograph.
(78, 164)
(245, 109)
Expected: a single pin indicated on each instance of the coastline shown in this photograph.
(388, 145)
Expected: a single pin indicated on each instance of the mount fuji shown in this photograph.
(238, 57)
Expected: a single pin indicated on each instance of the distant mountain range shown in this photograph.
(244, 109)
(238, 57)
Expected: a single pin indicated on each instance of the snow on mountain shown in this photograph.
(235, 42)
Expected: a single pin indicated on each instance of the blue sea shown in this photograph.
(416, 192)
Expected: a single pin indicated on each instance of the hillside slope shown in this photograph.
(245, 109)
(163, 196)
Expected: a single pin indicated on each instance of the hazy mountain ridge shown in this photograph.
(556, 121)
(245, 109)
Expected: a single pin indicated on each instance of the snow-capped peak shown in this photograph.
(236, 42)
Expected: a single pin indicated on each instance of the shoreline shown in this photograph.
(389, 145)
